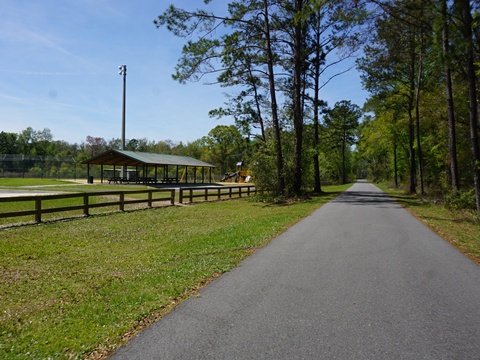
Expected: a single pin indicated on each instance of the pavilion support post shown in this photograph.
(195, 175)
(101, 173)
(177, 174)
(186, 174)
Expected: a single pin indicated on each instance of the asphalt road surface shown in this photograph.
(358, 279)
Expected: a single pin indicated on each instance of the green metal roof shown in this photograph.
(134, 158)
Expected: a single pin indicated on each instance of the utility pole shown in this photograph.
(123, 71)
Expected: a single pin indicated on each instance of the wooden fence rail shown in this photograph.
(185, 195)
(39, 210)
(206, 192)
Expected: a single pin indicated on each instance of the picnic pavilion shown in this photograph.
(140, 167)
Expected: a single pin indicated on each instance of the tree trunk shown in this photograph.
(316, 108)
(411, 125)
(417, 115)
(395, 167)
(274, 106)
(344, 140)
(316, 163)
(466, 14)
(452, 134)
(297, 97)
(259, 110)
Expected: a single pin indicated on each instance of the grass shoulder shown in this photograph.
(459, 227)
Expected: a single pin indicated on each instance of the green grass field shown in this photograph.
(79, 288)
(15, 182)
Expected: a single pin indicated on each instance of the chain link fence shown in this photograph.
(37, 166)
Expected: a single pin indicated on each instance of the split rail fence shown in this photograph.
(218, 193)
(118, 199)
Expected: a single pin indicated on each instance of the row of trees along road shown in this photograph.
(421, 67)
(420, 64)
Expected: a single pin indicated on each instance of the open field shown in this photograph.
(78, 288)
(38, 185)
(15, 182)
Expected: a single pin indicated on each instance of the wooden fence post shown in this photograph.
(38, 208)
(122, 201)
(85, 205)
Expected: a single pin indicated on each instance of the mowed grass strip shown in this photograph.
(460, 228)
(80, 288)
(15, 182)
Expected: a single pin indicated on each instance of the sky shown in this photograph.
(59, 70)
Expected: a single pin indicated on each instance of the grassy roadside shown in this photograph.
(460, 228)
(80, 288)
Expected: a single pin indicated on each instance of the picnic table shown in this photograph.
(147, 180)
(118, 180)
(139, 180)
(170, 180)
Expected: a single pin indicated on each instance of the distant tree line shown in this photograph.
(36, 153)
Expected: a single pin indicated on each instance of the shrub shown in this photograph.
(461, 199)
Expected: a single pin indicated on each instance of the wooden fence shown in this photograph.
(121, 198)
(39, 210)
(218, 193)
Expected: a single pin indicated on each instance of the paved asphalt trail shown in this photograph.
(358, 279)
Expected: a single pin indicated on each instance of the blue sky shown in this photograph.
(59, 70)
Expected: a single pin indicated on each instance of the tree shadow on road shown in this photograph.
(366, 198)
